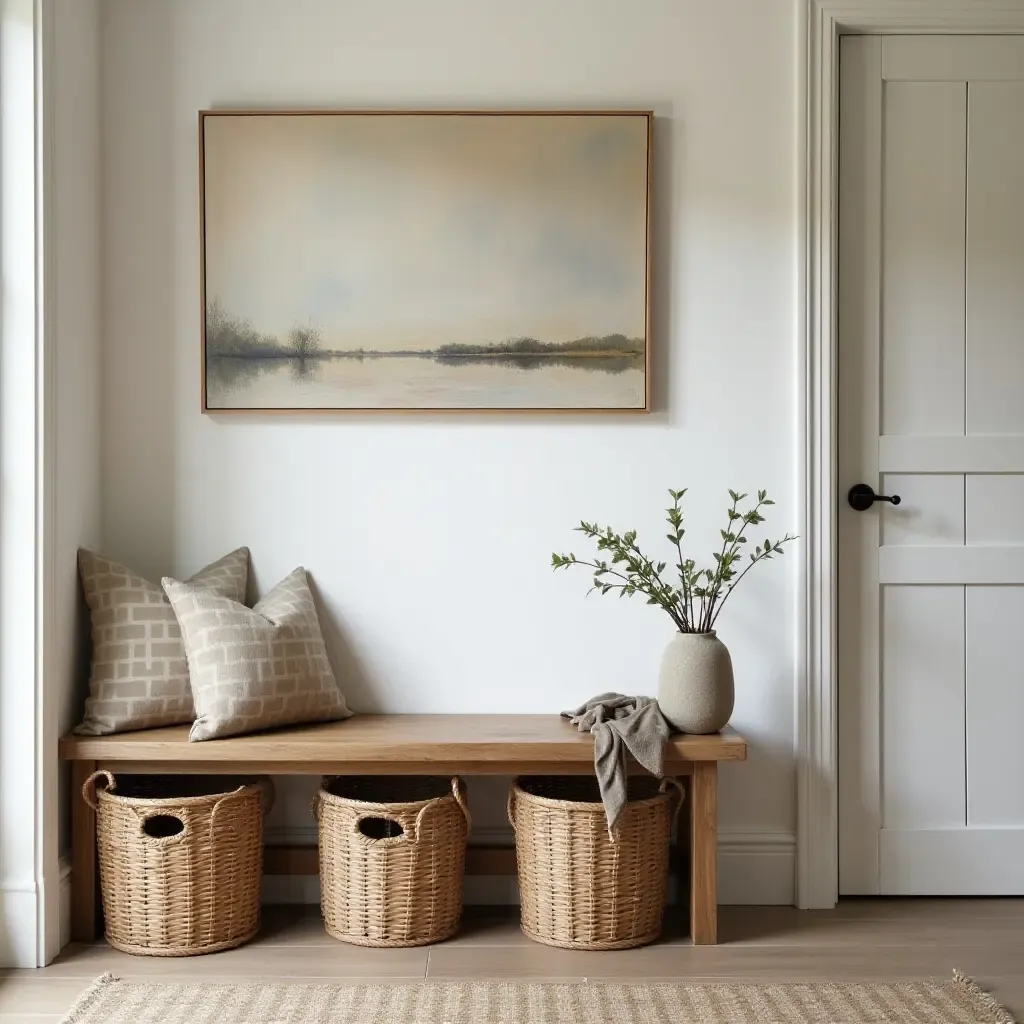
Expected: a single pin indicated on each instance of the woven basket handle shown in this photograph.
(679, 794)
(266, 800)
(178, 814)
(89, 787)
(317, 802)
(510, 806)
(267, 795)
(183, 814)
(389, 840)
(266, 788)
(317, 798)
(459, 792)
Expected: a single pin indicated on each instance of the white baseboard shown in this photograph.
(757, 868)
(19, 933)
(64, 903)
(753, 868)
(21, 901)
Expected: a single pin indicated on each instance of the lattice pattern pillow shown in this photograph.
(255, 668)
(139, 677)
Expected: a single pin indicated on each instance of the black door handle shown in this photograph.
(862, 496)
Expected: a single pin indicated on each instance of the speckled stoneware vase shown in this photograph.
(695, 684)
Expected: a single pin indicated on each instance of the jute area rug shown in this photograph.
(959, 1001)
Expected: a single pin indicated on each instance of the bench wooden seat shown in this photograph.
(394, 745)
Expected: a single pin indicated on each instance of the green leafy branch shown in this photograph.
(695, 599)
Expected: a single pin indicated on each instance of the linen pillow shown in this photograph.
(255, 668)
(139, 676)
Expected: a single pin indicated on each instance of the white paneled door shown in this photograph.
(931, 408)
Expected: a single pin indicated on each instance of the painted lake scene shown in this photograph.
(425, 261)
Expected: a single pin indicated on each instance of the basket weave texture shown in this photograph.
(392, 857)
(181, 861)
(581, 888)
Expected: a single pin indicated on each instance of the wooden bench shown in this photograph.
(397, 745)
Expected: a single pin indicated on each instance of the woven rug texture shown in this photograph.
(112, 1001)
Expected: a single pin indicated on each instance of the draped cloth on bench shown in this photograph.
(621, 725)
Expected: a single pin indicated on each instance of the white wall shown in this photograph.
(429, 537)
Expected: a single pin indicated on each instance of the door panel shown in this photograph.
(975, 453)
(928, 565)
(923, 257)
(923, 783)
(994, 509)
(931, 510)
(931, 407)
(976, 862)
(995, 706)
(950, 58)
(995, 259)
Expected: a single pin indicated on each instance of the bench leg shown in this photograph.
(83, 857)
(704, 853)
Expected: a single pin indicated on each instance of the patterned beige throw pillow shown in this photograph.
(139, 677)
(255, 668)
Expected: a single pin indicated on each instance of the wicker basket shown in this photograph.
(392, 856)
(181, 861)
(581, 888)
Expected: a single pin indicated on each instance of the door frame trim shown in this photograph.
(820, 25)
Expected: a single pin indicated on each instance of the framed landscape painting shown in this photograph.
(425, 260)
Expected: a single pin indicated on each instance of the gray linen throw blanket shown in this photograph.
(621, 724)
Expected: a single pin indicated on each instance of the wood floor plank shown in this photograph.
(883, 940)
(786, 926)
(255, 961)
(946, 911)
(815, 931)
(757, 925)
(293, 926)
(34, 995)
(777, 963)
(507, 963)
(738, 926)
(1008, 990)
(31, 1018)
(490, 926)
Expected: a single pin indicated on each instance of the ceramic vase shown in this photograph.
(695, 684)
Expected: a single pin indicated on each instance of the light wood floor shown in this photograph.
(889, 939)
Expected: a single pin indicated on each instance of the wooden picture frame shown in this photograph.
(425, 261)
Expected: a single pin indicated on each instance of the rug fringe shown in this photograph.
(1000, 1015)
(87, 998)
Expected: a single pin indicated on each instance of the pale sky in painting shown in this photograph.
(408, 232)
